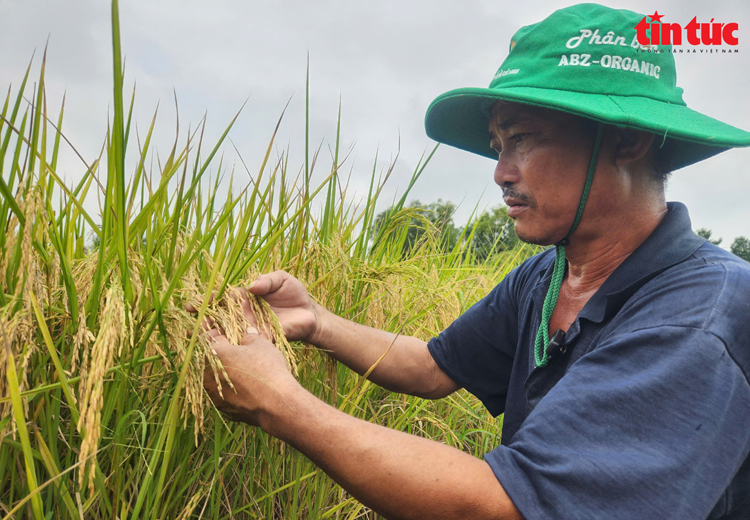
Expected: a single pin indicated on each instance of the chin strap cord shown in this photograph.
(541, 356)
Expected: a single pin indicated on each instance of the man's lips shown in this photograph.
(512, 201)
(515, 206)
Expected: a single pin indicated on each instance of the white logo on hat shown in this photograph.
(506, 72)
(595, 39)
(611, 62)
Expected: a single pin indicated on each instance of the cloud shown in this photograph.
(385, 61)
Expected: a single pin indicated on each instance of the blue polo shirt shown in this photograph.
(647, 413)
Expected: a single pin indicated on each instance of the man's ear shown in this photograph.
(631, 145)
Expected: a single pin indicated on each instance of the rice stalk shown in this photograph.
(19, 417)
(109, 364)
(112, 335)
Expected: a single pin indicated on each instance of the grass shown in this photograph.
(102, 413)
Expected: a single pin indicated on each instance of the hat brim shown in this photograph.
(460, 118)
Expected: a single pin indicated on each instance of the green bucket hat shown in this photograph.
(586, 60)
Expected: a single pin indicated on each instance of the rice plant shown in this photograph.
(102, 409)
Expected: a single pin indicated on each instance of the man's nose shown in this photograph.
(506, 172)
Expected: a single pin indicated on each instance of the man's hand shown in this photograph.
(258, 372)
(407, 367)
(398, 475)
(296, 310)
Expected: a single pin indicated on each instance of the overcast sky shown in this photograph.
(386, 60)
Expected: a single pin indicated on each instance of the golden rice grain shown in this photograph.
(108, 341)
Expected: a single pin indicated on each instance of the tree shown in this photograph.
(741, 247)
(493, 233)
(706, 233)
(440, 215)
(436, 217)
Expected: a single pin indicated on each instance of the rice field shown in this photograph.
(102, 408)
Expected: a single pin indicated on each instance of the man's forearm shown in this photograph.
(402, 363)
(396, 474)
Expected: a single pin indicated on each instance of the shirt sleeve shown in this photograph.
(477, 350)
(651, 424)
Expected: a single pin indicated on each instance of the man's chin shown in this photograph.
(531, 238)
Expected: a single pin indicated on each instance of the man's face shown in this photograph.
(542, 165)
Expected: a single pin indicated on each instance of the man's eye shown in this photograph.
(497, 150)
(518, 137)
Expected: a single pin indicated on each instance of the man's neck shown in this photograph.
(591, 259)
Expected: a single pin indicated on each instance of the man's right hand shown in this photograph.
(408, 366)
(297, 312)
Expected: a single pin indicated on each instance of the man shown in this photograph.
(620, 359)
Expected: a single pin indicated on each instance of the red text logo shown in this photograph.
(711, 33)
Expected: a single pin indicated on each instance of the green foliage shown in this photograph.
(492, 233)
(485, 236)
(418, 222)
(706, 233)
(741, 247)
(117, 311)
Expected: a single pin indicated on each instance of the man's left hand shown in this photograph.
(258, 372)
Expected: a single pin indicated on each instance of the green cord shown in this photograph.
(558, 272)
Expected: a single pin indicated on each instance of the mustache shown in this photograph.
(511, 193)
